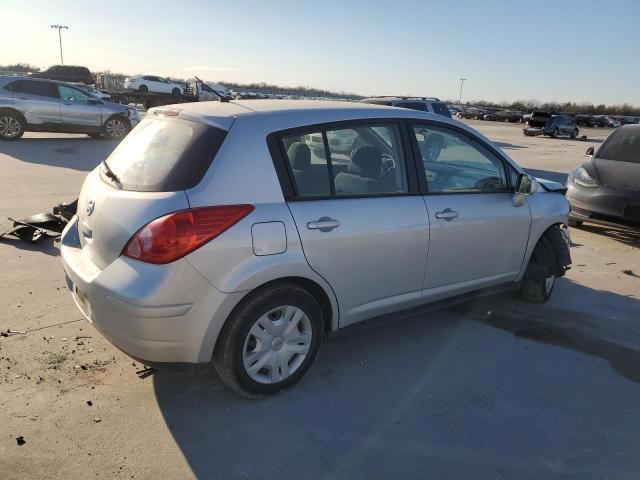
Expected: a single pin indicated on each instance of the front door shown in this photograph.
(79, 110)
(362, 227)
(477, 236)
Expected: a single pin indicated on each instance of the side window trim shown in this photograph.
(285, 176)
(422, 178)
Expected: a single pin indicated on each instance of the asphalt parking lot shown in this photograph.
(494, 389)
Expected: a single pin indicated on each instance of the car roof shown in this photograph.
(402, 99)
(285, 114)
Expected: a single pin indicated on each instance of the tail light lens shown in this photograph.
(173, 236)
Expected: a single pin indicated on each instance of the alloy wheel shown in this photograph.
(277, 344)
(9, 127)
(115, 128)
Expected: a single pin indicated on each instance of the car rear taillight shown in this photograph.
(173, 236)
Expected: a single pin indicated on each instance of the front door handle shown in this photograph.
(447, 214)
(324, 224)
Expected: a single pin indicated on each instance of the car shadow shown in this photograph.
(621, 234)
(45, 245)
(559, 177)
(77, 153)
(380, 401)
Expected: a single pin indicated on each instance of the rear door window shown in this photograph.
(32, 87)
(362, 160)
(414, 106)
(165, 155)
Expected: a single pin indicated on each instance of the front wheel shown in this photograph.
(116, 128)
(11, 126)
(270, 342)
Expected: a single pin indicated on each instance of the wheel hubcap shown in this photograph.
(277, 344)
(9, 127)
(115, 128)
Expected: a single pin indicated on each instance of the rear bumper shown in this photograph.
(604, 205)
(155, 313)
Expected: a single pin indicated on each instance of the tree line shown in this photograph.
(568, 107)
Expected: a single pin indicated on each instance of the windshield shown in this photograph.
(622, 145)
(165, 155)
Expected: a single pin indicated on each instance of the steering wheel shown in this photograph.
(388, 165)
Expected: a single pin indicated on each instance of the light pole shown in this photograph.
(60, 27)
(462, 80)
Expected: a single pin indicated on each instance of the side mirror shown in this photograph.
(590, 151)
(526, 185)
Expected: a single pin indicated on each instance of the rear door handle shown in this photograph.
(324, 224)
(447, 214)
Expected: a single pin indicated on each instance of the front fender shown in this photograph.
(547, 209)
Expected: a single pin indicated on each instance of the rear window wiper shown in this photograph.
(109, 173)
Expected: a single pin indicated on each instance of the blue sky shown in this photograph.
(584, 51)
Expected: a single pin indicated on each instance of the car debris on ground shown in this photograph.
(35, 227)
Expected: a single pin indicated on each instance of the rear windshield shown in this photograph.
(441, 109)
(165, 155)
(622, 145)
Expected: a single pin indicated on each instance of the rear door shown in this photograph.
(37, 100)
(477, 236)
(362, 223)
(77, 109)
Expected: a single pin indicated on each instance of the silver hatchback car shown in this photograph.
(38, 105)
(235, 233)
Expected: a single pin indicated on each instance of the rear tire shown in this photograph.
(12, 126)
(254, 353)
(143, 89)
(175, 92)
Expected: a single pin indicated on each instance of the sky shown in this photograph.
(548, 50)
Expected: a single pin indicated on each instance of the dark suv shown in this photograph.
(66, 73)
(424, 104)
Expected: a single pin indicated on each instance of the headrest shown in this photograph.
(299, 156)
(366, 161)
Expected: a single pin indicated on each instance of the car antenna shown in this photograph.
(223, 98)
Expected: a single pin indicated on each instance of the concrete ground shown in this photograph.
(494, 389)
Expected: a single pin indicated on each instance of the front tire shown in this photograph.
(538, 281)
(270, 341)
(11, 126)
(116, 128)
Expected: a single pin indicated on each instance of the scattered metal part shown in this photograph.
(20, 440)
(35, 227)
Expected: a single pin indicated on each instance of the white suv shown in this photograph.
(239, 233)
(423, 104)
